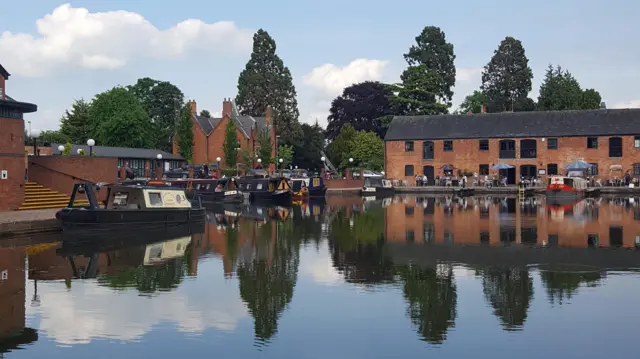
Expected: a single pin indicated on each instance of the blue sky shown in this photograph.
(90, 46)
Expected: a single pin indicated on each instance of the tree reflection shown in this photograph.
(266, 284)
(509, 291)
(432, 299)
(562, 286)
(148, 279)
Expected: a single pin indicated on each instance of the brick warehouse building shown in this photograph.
(535, 143)
(209, 133)
(12, 167)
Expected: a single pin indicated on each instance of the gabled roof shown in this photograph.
(615, 122)
(120, 152)
(207, 124)
(4, 73)
(244, 123)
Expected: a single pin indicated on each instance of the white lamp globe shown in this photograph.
(79, 151)
(91, 142)
(281, 160)
(61, 148)
(322, 159)
(159, 156)
(218, 159)
(35, 133)
(350, 160)
(259, 160)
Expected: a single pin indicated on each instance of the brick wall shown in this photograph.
(344, 183)
(467, 156)
(12, 291)
(12, 160)
(61, 173)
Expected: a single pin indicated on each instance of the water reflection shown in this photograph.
(439, 262)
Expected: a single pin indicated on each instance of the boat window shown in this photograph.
(297, 185)
(259, 186)
(568, 182)
(120, 199)
(155, 199)
(248, 186)
(316, 182)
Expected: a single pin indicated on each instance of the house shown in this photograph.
(535, 143)
(209, 133)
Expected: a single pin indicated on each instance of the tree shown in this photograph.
(417, 94)
(367, 151)
(116, 118)
(308, 155)
(247, 159)
(266, 81)
(285, 152)
(74, 124)
(362, 106)
(338, 150)
(436, 56)
(591, 99)
(185, 133)
(205, 113)
(506, 79)
(67, 149)
(265, 150)
(472, 103)
(231, 144)
(561, 91)
(163, 102)
(54, 137)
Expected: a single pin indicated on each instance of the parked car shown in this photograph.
(183, 172)
(368, 174)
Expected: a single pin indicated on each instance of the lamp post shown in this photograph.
(218, 159)
(260, 162)
(350, 167)
(91, 143)
(61, 149)
(159, 166)
(323, 170)
(34, 135)
(277, 148)
(281, 161)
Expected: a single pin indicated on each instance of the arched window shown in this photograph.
(427, 150)
(507, 149)
(615, 146)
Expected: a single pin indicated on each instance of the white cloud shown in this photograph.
(318, 266)
(333, 79)
(628, 104)
(109, 40)
(468, 74)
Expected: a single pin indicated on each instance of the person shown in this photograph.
(627, 178)
(205, 169)
(219, 187)
(425, 180)
(418, 180)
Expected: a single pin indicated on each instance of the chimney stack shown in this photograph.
(267, 116)
(603, 106)
(194, 107)
(227, 107)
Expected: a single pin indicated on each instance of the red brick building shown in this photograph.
(209, 133)
(535, 143)
(12, 164)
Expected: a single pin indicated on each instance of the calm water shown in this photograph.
(404, 278)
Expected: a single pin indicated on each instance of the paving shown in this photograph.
(17, 223)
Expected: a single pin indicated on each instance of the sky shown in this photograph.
(58, 51)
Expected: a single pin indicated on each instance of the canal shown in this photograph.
(408, 277)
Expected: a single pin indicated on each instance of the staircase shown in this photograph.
(39, 197)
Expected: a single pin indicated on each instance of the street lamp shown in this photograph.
(61, 149)
(350, 160)
(159, 165)
(218, 159)
(350, 169)
(34, 135)
(91, 143)
(281, 161)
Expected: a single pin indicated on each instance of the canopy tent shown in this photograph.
(502, 166)
(579, 165)
(447, 167)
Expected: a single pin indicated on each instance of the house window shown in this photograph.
(408, 170)
(615, 236)
(485, 237)
(408, 211)
(636, 141)
(507, 149)
(552, 143)
(592, 142)
(636, 169)
(615, 146)
(410, 236)
(593, 171)
(484, 170)
(552, 169)
(484, 145)
(448, 146)
(429, 233)
(408, 146)
(427, 150)
(528, 149)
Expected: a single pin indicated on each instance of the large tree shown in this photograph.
(185, 133)
(163, 102)
(308, 155)
(53, 137)
(231, 144)
(437, 57)
(338, 150)
(506, 79)
(362, 106)
(265, 147)
(561, 91)
(367, 151)
(417, 94)
(205, 113)
(75, 122)
(116, 118)
(265, 81)
(472, 103)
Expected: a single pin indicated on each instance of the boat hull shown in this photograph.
(377, 191)
(208, 197)
(283, 197)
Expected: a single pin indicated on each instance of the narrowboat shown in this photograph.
(563, 188)
(210, 190)
(267, 189)
(378, 187)
(161, 252)
(265, 213)
(304, 188)
(128, 208)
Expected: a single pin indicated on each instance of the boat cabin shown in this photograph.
(567, 183)
(297, 184)
(377, 182)
(158, 253)
(267, 184)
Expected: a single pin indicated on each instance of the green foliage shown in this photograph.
(266, 81)
(54, 137)
(338, 150)
(147, 279)
(472, 103)
(74, 124)
(205, 113)
(247, 159)
(433, 55)
(117, 119)
(163, 103)
(417, 94)
(67, 149)
(367, 150)
(308, 155)
(561, 91)
(185, 133)
(80, 152)
(264, 142)
(286, 153)
(506, 79)
(231, 144)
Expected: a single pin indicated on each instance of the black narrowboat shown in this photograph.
(210, 190)
(128, 208)
(378, 187)
(267, 189)
(304, 188)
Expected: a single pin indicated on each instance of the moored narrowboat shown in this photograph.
(562, 188)
(378, 187)
(267, 189)
(128, 208)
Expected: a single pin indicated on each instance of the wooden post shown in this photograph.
(191, 172)
(123, 173)
(158, 173)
